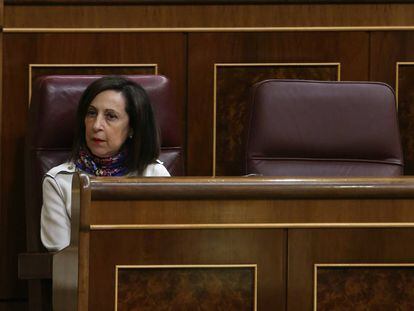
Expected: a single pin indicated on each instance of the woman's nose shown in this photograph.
(97, 124)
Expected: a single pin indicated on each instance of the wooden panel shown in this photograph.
(183, 287)
(13, 306)
(264, 248)
(35, 265)
(5, 261)
(20, 50)
(264, 212)
(405, 93)
(365, 288)
(209, 15)
(350, 49)
(104, 2)
(1, 14)
(232, 87)
(387, 49)
(326, 246)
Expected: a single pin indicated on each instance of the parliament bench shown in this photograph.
(254, 243)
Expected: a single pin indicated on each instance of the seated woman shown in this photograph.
(115, 135)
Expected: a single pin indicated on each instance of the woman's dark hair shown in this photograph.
(144, 146)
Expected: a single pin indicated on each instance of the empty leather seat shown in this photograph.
(318, 128)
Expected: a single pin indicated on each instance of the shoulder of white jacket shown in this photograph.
(67, 168)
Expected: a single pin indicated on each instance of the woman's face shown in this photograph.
(106, 124)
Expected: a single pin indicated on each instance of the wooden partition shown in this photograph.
(238, 244)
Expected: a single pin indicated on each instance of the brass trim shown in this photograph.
(216, 65)
(322, 265)
(397, 72)
(201, 29)
(31, 66)
(116, 288)
(249, 226)
(213, 266)
(317, 265)
(315, 282)
(214, 120)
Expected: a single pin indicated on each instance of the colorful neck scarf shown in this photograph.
(109, 166)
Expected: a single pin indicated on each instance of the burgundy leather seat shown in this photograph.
(316, 128)
(49, 140)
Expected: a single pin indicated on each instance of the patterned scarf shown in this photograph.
(109, 166)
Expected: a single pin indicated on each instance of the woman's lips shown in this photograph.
(97, 140)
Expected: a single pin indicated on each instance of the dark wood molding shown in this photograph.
(35, 266)
(251, 188)
(195, 2)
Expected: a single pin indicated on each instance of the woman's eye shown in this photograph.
(91, 113)
(111, 116)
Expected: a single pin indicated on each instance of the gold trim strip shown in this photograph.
(250, 226)
(186, 266)
(322, 265)
(31, 66)
(216, 65)
(397, 74)
(338, 265)
(275, 64)
(205, 29)
(116, 288)
(215, 118)
(254, 266)
(315, 284)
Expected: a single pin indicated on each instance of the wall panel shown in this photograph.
(218, 15)
(387, 50)
(263, 248)
(349, 49)
(341, 246)
(231, 287)
(232, 88)
(346, 286)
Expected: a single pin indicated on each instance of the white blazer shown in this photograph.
(57, 197)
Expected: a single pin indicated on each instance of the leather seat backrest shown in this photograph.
(51, 126)
(318, 128)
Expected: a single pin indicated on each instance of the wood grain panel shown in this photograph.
(266, 248)
(104, 2)
(1, 14)
(284, 211)
(209, 15)
(13, 305)
(20, 50)
(182, 288)
(323, 246)
(387, 49)
(350, 49)
(5, 261)
(368, 288)
(405, 93)
(232, 87)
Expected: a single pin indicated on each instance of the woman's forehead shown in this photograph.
(109, 99)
